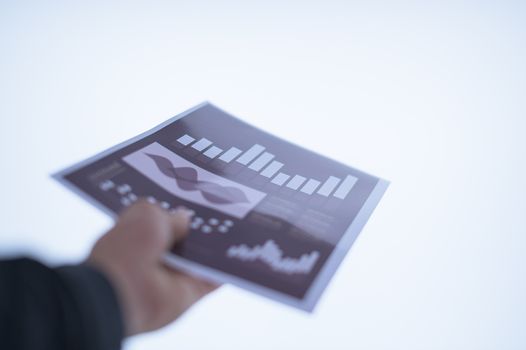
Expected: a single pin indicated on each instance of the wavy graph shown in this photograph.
(187, 179)
(272, 255)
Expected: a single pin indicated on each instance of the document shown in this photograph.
(267, 215)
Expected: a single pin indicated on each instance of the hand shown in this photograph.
(130, 254)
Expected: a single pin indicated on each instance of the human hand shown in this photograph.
(130, 254)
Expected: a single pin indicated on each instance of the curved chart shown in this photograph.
(187, 179)
(193, 183)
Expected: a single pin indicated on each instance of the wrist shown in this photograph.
(126, 294)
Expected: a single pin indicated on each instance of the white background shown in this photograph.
(429, 95)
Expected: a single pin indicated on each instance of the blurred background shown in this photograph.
(429, 95)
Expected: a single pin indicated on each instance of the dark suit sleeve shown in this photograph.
(70, 307)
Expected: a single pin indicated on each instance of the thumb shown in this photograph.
(179, 223)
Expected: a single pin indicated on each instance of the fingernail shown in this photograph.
(182, 210)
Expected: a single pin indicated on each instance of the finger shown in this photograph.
(139, 213)
(204, 286)
(153, 229)
(140, 206)
(191, 289)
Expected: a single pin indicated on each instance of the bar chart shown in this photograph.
(258, 159)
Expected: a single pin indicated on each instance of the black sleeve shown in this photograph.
(70, 307)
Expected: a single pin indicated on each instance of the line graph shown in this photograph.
(272, 255)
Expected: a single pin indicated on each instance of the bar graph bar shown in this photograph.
(201, 144)
(213, 152)
(329, 185)
(257, 159)
(261, 161)
(296, 182)
(271, 169)
(229, 155)
(249, 155)
(345, 187)
(310, 186)
(185, 140)
(280, 179)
